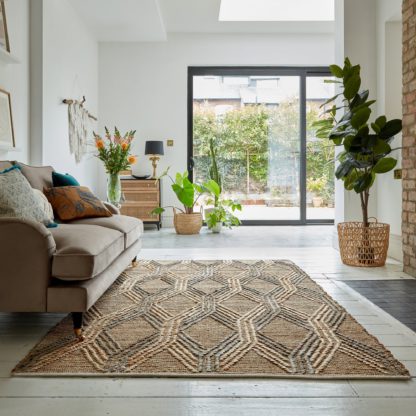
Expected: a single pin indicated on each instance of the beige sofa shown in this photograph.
(63, 269)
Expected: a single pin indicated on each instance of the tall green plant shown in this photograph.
(213, 170)
(366, 145)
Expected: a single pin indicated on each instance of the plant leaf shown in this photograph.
(336, 71)
(381, 121)
(385, 165)
(390, 129)
(363, 182)
(360, 117)
(381, 147)
(352, 86)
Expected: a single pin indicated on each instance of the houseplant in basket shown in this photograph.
(114, 152)
(365, 154)
(186, 221)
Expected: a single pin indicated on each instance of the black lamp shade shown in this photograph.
(154, 147)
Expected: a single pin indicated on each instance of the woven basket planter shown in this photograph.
(187, 224)
(363, 246)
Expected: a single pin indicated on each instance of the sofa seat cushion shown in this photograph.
(83, 251)
(131, 227)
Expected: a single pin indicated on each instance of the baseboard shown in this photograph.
(335, 243)
(395, 247)
(167, 221)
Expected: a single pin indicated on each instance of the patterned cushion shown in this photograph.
(44, 203)
(17, 199)
(72, 202)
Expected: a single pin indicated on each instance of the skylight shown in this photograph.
(276, 10)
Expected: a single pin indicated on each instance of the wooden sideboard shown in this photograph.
(140, 198)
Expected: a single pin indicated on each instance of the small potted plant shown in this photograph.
(221, 211)
(366, 153)
(186, 221)
(222, 214)
(114, 152)
(317, 187)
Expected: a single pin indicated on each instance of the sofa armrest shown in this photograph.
(112, 208)
(25, 257)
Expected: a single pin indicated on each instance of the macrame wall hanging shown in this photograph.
(78, 122)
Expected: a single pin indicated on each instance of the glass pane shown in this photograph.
(320, 163)
(254, 122)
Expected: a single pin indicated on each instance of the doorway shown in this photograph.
(260, 121)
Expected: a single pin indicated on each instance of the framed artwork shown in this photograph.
(4, 36)
(6, 120)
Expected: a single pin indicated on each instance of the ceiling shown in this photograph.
(153, 20)
(122, 20)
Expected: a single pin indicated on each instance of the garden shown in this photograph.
(258, 152)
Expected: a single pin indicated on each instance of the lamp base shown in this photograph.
(154, 159)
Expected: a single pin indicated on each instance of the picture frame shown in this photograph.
(4, 35)
(7, 138)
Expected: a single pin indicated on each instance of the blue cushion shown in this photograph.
(63, 179)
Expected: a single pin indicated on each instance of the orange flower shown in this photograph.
(124, 145)
(132, 159)
(99, 144)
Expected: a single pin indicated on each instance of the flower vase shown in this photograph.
(114, 189)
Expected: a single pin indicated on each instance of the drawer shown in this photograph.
(139, 184)
(142, 196)
(141, 212)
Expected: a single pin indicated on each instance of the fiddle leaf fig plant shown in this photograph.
(366, 145)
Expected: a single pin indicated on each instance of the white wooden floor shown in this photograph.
(97, 397)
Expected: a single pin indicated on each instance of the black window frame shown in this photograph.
(303, 72)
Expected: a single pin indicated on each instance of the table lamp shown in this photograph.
(154, 148)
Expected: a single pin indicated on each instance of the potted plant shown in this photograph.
(188, 193)
(221, 211)
(365, 154)
(317, 187)
(114, 152)
(214, 175)
(222, 214)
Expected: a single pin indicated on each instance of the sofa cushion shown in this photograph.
(18, 199)
(83, 251)
(5, 164)
(39, 177)
(131, 227)
(63, 179)
(75, 202)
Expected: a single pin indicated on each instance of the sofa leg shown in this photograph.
(77, 318)
(134, 262)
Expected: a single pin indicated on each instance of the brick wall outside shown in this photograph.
(409, 137)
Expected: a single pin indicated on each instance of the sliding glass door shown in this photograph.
(259, 121)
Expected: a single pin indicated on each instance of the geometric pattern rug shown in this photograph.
(214, 319)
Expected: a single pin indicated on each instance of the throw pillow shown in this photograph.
(44, 203)
(74, 202)
(17, 198)
(63, 179)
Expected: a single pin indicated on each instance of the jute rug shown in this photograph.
(214, 318)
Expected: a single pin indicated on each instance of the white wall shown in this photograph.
(389, 102)
(356, 38)
(143, 86)
(70, 70)
(15, 78)
(368, 37)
